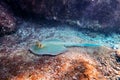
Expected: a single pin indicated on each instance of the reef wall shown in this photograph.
(92, 14)
(95, 15)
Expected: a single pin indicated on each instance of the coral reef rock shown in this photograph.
(7, 21)
(92, 14)
(75, 64)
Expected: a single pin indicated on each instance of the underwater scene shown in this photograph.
(59, 39)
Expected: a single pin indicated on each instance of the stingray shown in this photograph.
(55, 47)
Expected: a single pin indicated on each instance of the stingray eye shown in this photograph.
(40, 45)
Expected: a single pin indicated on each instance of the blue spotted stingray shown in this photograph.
(56, 46)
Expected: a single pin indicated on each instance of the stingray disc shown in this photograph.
(48, 49)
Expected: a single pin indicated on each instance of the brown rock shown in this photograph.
(76, 64)
(71, 65)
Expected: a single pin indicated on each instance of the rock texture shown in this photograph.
(92, 14)
(76, 64)
(7, 21)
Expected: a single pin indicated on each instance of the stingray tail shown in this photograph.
(82, 45)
